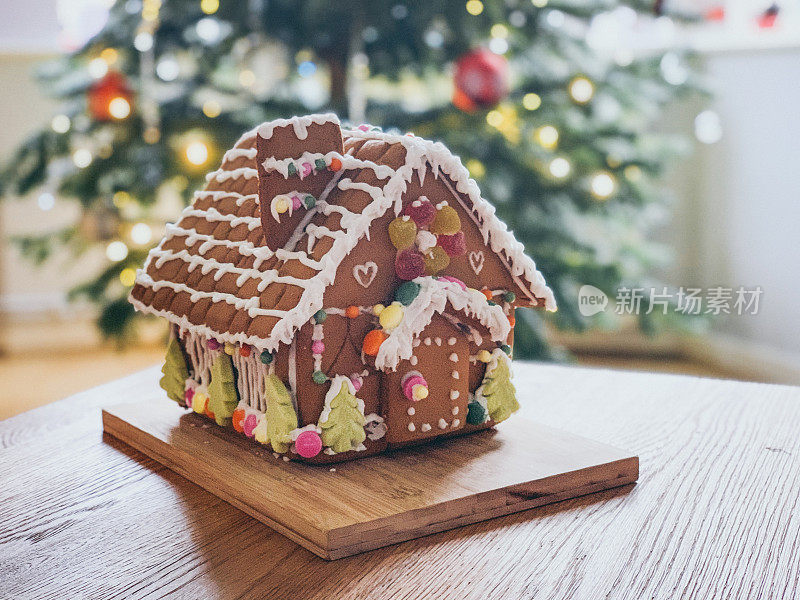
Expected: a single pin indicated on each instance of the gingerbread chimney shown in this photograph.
(287, 147)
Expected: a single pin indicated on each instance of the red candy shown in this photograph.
(454, 245)
(308, 444)
(409, 265)
(422, 214)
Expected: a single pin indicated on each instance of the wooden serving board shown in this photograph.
(373, 502)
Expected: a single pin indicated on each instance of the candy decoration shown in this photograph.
(446, 221)
(455, 280)
(306, 169)
(188, 395)
(454, 245)
(320, 164)
(409, 265)
(320, 316)
(506, 348)
(292, 169)
(318, 347)
(436, 259)
(357, 381)
(476, 414)
(509, 296)
(406, 292)
(237, 419)
(260, 432)
(402, 233)
(213, 344)
(296, 202)
(229, 349)
(373, 341)
(266, 357)
(310, 201)
(245, 351)
(199, 403)
(319, 377)
(512, 320)
(210, 414)
(308, 444)
(484, 356)
(488, 293)
(422, 212)
(281, 203)
(249, 425)
(391, 316)
(351, 312)
(377, 309)
(335, 165)
(415, 388)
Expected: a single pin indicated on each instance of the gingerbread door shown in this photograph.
(441, 358)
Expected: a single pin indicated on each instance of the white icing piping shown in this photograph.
(349, 163)
(212, 214)
(434, 294)
(224, 174)
(299, 124)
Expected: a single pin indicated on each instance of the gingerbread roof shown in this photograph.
(213, 274)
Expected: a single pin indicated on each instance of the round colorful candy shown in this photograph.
(406, 292)
(229, 349)
(377, 309)
(199, 403)
(509, 296)
(476, 414)
(351, 312)
(409, 265)
(213, 344)
(244, 350)
(260, 432)
(402, 233)
(415, 388)
(237, 419)
(391, 316)
(308, 444)
(310, 201)
(454, 245)
(506, 348)
(319, 377)
(281, 203)
(372, 342)
(320, 316)
(266, 357)
(187, 397)
(317, 347)
(335, 165)
(249, 425)
(421, 212)
(484, 356)
(446, 221)
(436, 259)
(357, 381)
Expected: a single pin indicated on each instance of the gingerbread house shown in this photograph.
(337, 292)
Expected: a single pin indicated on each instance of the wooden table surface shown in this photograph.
(716, 512)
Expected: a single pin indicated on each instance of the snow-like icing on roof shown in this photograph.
(433, 297)
(352, 226)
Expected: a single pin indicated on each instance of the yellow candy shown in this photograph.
(199, 402)
(436, 259)
(391, 316)
(377, 309)
(402, 232)
(281, 204)
(260, 432)
(229, 349)
(446, 221)
(484, 356)
(419, 392)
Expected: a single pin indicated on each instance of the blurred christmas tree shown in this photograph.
(548, 110)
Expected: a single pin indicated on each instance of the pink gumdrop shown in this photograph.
(409, 265)
(422, 212)
(364, 127)
(213, 344)
(307, 168)
(249, 425)
(296, 202)
(454, 245)
(318, 347)
(356, 381)
(410, 382)
(188, 396)
(455, 280)
(308, 444)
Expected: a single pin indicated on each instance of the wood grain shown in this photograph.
(379, 500)
(715, 513)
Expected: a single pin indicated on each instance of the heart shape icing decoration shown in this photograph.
(365, 274)
(476, 261)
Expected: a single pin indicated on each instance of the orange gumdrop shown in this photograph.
(488, 293)
(512, 320)
(352, 312)
(210, 415)
(335, 165)
(237, 419)
(373, 341)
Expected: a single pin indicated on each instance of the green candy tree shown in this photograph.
(175, 373)
(281, 416)
(342, 420)
(497, 389)
(222, 395)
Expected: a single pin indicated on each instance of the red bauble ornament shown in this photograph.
(481, 79)
(104, 91)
